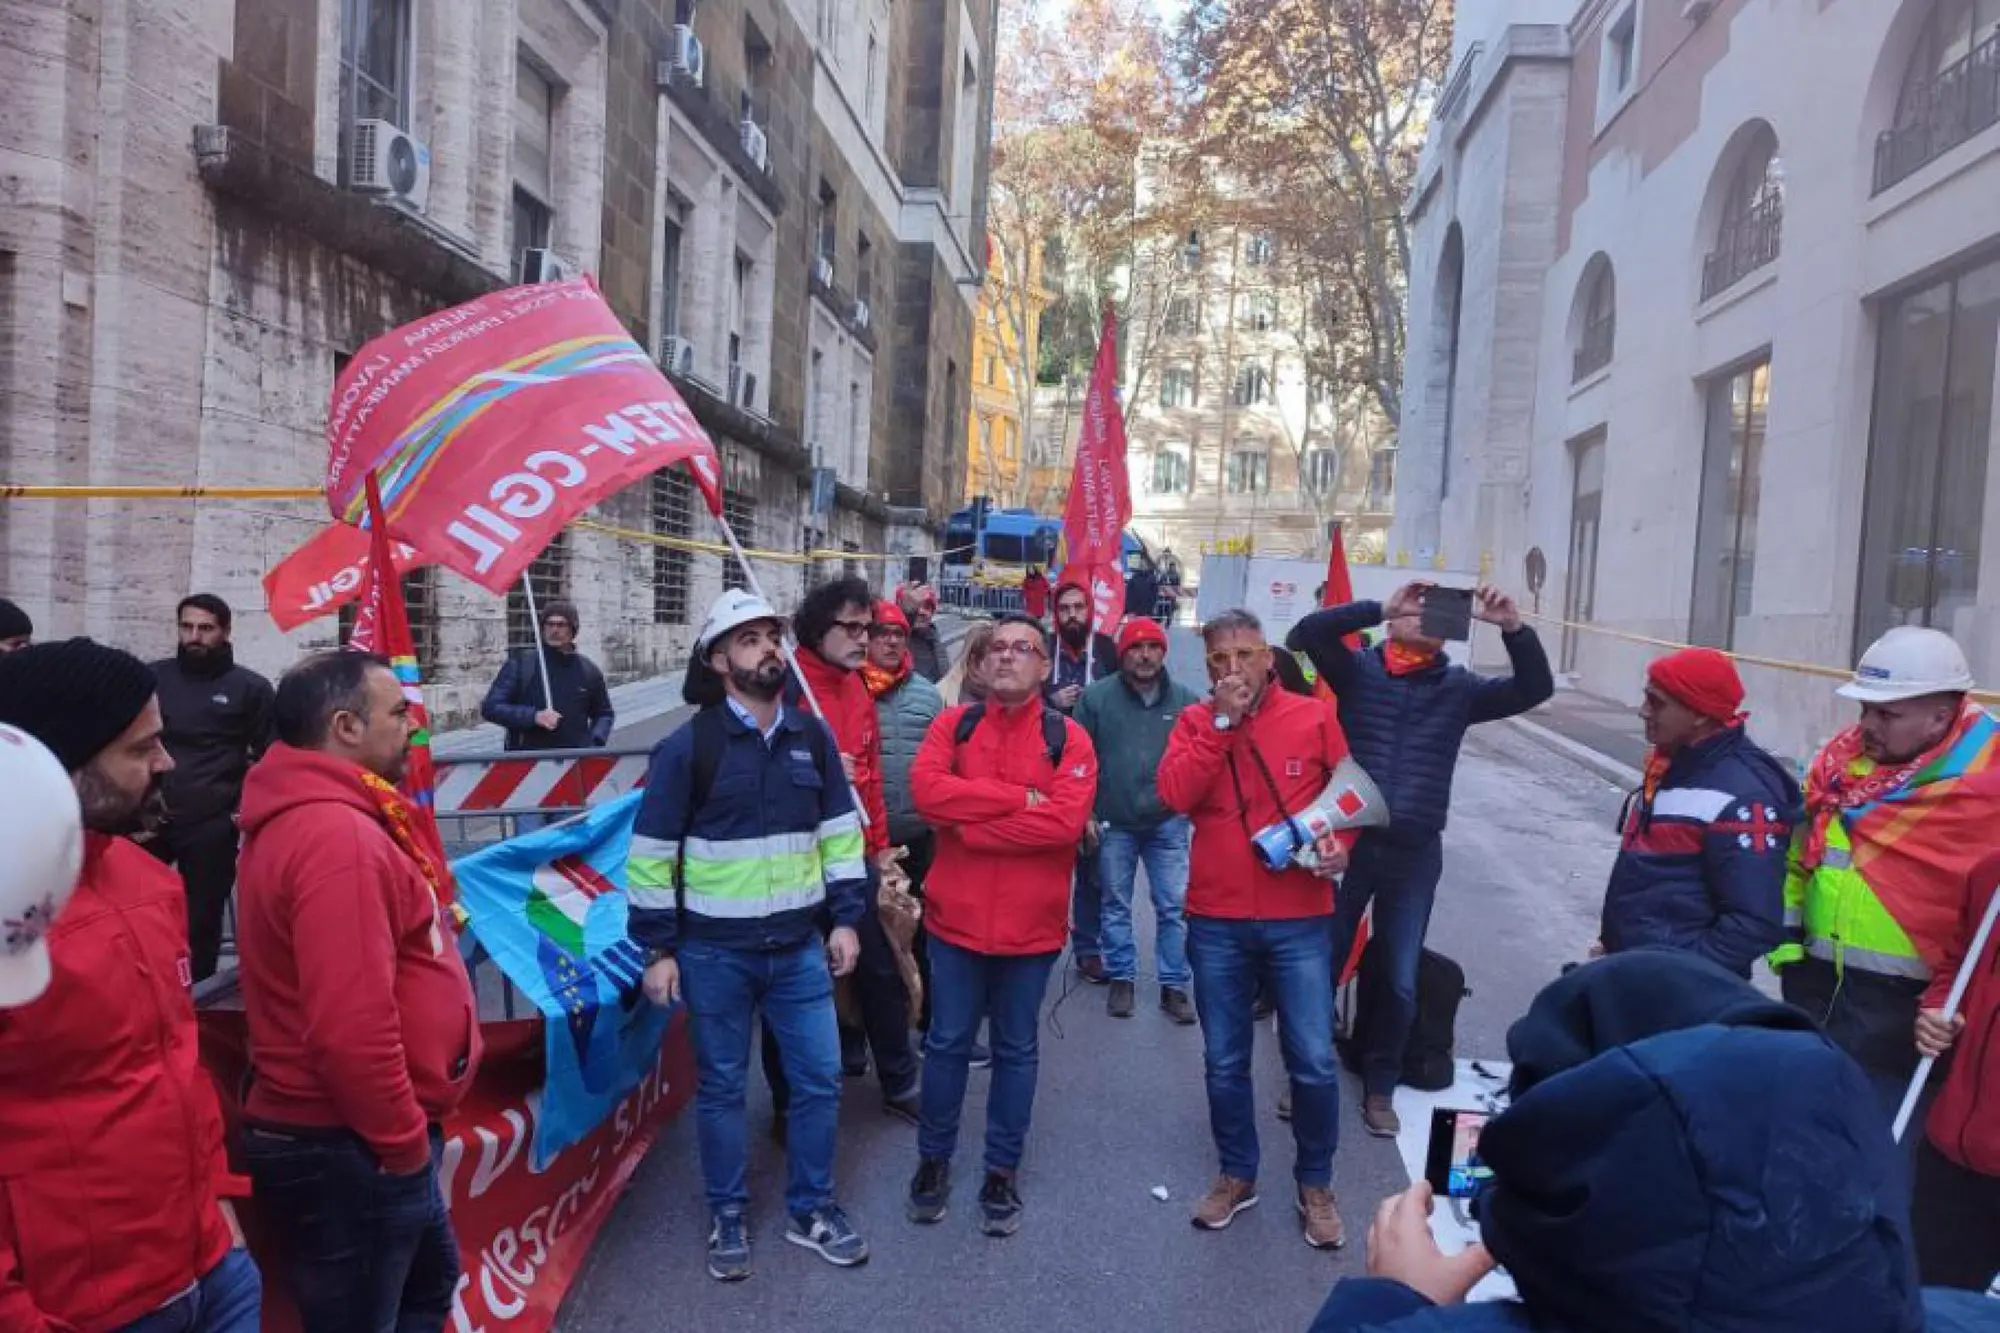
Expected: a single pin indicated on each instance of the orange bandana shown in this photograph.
(1402, 659)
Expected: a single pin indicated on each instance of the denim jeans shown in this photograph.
(226, 1300)
(363, 1251)
(1164, 849)
(1086, 910)
(1295, 956)
(1400, 876)
(725, 989)
(885, 1020)
(1006, 990)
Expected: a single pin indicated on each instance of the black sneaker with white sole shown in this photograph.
(826, 1231)
(930, 1191)
(1000, 1205)
(728, 1247)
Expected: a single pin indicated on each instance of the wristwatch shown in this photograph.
(1222, 722)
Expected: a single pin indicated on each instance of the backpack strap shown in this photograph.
(710, 735)
(968, 722)
(1055, 732)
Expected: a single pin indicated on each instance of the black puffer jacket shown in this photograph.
(1406, 730)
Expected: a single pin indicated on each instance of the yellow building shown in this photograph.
(1006, 348)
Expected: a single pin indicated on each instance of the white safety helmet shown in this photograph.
(733, 609)
(1909, 662)
(41, 826)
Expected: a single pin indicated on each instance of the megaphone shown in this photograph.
(1350, 800)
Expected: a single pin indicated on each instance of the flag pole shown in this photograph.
(541, 652)
(1966, 970)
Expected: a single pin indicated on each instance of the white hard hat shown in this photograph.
(42, 828)
(733, 609)
(1909, 662)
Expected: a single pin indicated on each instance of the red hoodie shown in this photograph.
(360, 1011)
(850, 715)
(1300, 741)
(1964, 1122)
(111, 1151)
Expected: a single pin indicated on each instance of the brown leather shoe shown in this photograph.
(1178, 1006)
(1378, 1116)
(1324, 1230)
(1121, 1001)
(1227, 1197)
(1092, 971)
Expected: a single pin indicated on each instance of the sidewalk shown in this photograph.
(1603, 735)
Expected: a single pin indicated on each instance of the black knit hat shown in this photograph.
(14, 622)
(75, 697)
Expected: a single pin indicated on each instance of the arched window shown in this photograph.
(1950, 91)
(1752, 220)
(1597, 327)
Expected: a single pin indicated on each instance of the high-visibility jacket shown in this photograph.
(1831, 914)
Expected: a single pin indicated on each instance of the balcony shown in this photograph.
(1962, 100)
(1594, 352)
(1745, 245)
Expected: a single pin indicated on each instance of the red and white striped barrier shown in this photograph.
(559, 780)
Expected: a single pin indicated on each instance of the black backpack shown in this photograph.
(1055, 734)
(1429, 1060)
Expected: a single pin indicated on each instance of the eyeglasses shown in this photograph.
(887, 632)
(1021, 648)
(1222, 659)
(858, 628)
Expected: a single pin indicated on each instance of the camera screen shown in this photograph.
(1453, 1166)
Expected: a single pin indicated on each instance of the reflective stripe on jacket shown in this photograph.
(1832, 914)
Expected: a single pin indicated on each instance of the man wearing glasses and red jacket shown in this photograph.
(1253, 755)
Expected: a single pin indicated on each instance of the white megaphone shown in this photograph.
(1350, 800)
(42, 828)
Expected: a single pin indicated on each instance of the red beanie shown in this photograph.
(1138, 630)
(1702, 679)
(888, 613)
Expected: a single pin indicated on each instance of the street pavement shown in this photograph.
(1120, 1111)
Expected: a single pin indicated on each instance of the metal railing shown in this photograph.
(1961, 100)
(1744, 246)
(1593, 353)
(967, 596)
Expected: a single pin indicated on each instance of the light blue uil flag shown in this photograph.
(549, 907)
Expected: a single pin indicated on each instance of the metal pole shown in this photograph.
(541, 653)
(1951, 1003)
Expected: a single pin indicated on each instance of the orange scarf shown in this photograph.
(401, 822)
(1403, 660)
(880, 682)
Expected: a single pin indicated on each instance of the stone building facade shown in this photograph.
(1705, 310)
(198, 234)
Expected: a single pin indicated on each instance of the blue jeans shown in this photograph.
(227, 1300)
(1086, 910)
(363, 1251)
(1400, 876)
(725, 989)
(1005, 990)
(1295, 956)
(1164, 849)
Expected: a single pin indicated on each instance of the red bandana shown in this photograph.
(1402, 659)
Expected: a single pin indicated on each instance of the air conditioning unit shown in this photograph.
(543, 266)
(823, 270)
(756, 145)
(676, 355)
(684, 59)
(860, 314)
(747, 399)
(384, 160)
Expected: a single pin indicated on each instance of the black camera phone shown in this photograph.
(1447, 613)
(1452, 1165)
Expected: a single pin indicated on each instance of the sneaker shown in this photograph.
(982, 1056)
(827, 1231)
(1122, 1000)
(1092, 970)
(1000, 1205)
(1285, 1104)
(1227, 1197)
(1378, 1116)
(1178, 1006)
(1324, 1230)
(728, 1247)
(906, 1108)
(930, 1190)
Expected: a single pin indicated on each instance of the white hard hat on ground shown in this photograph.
(735, 608)
(42, 828)
(1909, 662)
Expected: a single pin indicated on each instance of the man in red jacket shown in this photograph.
(1252, 756)
(364, 1032)
(1008, 785)
(112, 1165)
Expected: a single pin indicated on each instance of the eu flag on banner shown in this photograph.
(549, 906)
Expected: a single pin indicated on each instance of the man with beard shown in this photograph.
(580, 715)
(919, 604)
(1069, 675)
(110, 1136)
(364, 1032)
(218, 718)
(747, 840)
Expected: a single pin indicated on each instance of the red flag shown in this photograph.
(494, 423)
(1339, 584)
(382, 627)
(1100, 492)
(326, 573)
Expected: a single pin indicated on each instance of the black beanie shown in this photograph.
(75, 697)
(14, 622)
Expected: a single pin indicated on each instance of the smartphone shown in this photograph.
(1452, 1165)
(1447, 613)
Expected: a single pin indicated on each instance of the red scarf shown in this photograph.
(1832, 788)
(1404, 660)
(880, 682)
(402, 826)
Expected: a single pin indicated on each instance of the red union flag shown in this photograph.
(1100, 493)
(494, 423)
(326, 573)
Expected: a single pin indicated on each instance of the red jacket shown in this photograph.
(1035, 595)
(1212, 777)
(1964, 1122)
(849, 712)
(360, 1011)
(1000, 881)
(111, 1152)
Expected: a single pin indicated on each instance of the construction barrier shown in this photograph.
(543, 782)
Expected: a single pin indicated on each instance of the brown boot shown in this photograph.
(1227, 1197)
(1324, 1230)
(1378, 1116)
(1178, 1006)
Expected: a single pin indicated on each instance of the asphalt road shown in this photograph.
(1121, 1110)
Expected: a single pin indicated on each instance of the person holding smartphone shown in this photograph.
(1406, 707)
